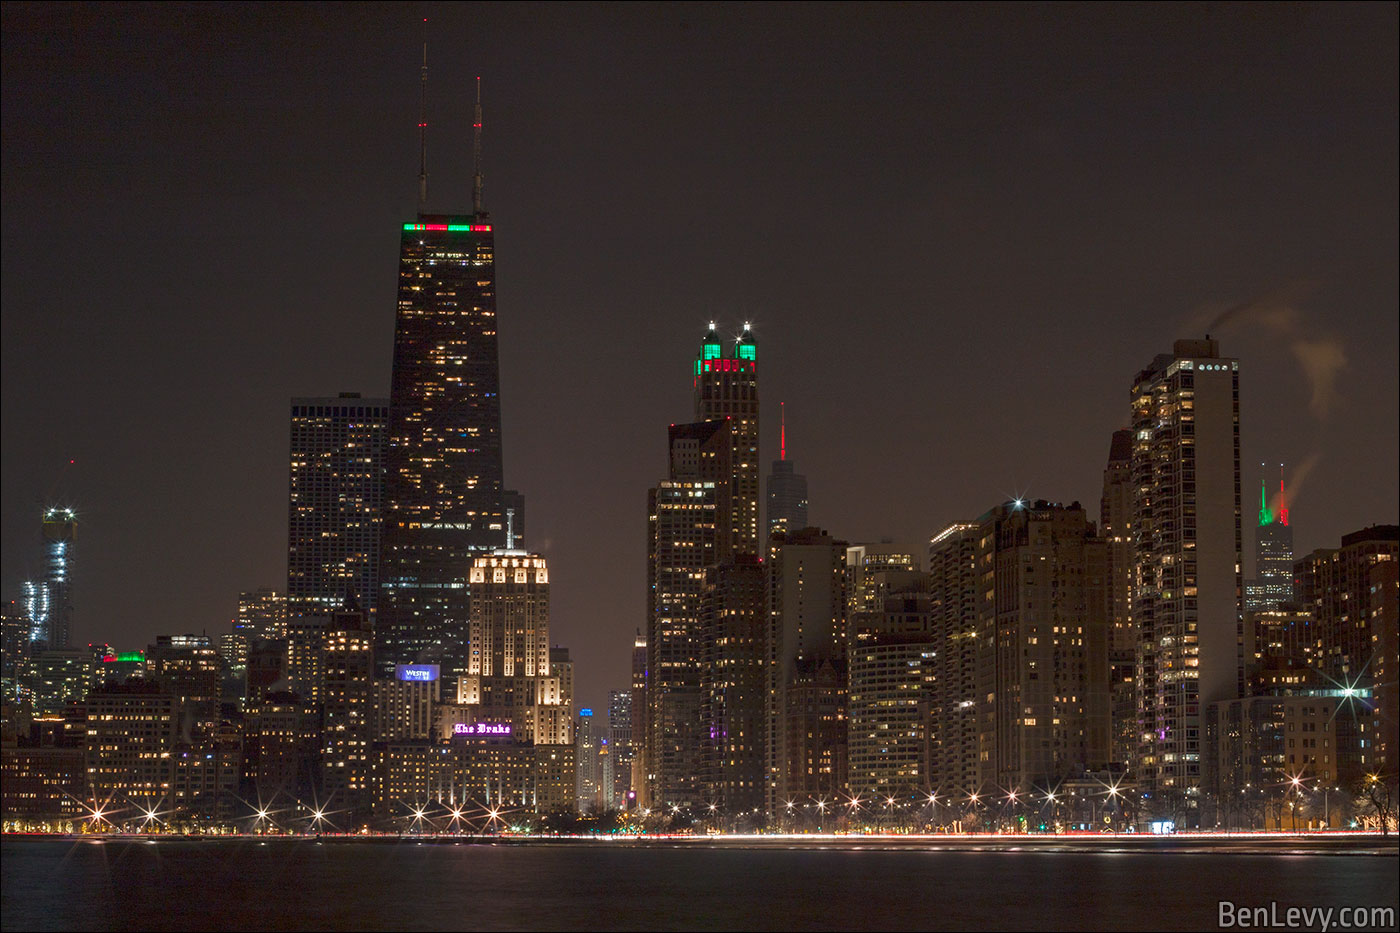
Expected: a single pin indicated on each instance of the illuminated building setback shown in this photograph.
(1187, 600)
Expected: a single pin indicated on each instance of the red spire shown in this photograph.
(1282, 502)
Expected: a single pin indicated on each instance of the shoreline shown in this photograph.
(1338, 843)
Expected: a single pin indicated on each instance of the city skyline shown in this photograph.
(909, 378)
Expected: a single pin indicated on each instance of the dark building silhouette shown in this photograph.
(787, 492)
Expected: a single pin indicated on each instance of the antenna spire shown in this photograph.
(1265, 516)
(1282, 501)
(423, 128)
(782, 435)
(476, 152)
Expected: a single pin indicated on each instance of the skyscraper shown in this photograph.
(1187, 602)
(806, 669)
(14, 649)
(1018, 605)
(48, 601)
(954, 589)
(1273, 554)
(681, 544)
(726, 389)
(1043, 634)
(1345, 589)
(622, 749)
(640, 717)
(445, 501)
(703, 515)
(733, 730)
(510, 616)
(334, 522)
(787, 490)
(513, 676)
(262, 613)
(347, 698)
(1116, 524)
(892, 668)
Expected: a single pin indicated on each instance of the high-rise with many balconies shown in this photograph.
(1186, 527)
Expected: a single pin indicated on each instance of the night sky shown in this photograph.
(959, 233)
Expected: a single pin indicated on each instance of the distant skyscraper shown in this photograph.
(14, 649)
(726, 389)
(787, 491)
(872, 571)
(334, 515)
(1187, 605)
(445, 501)
(640, 718)
(49, 601)
(955, 588)
(1273, 555)
(1116, 524)
(190, 667)
(261, 615)
(588, 787)
(620, 745)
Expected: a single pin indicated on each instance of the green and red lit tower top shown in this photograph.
(726, 389)
(1279, 513)
(1273, 553)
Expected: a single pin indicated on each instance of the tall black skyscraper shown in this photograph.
(444, 501)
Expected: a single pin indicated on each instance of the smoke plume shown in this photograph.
(1321, 356)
